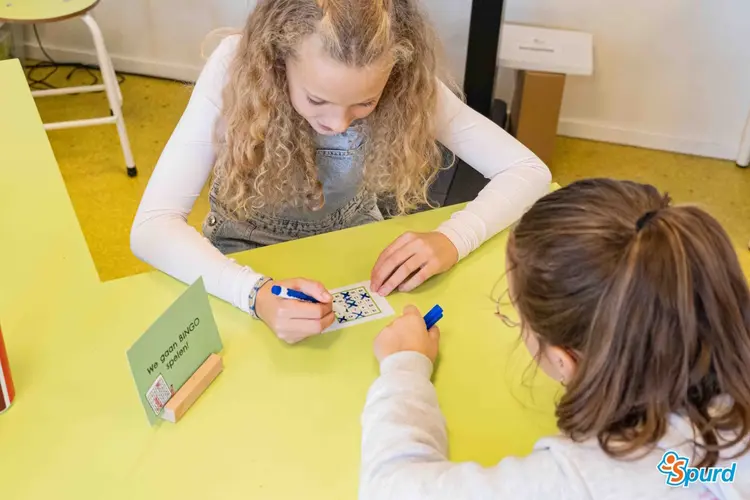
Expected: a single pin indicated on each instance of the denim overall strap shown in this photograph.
(340, 165)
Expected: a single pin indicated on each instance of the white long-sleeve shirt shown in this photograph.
(405, 455)
(161, 236)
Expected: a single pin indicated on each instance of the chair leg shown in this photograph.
(112, 90)
(111, 69)
(743, 157)
(114, 76)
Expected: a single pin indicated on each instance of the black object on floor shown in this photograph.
(479, 87)
(465, 182)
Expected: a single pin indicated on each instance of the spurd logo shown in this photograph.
(678, 473)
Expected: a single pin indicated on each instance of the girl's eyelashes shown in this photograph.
(316, 102)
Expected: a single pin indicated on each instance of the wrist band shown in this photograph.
(254, 294)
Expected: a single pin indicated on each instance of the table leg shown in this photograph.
(743, 157)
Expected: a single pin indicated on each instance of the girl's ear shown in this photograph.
(563, 363)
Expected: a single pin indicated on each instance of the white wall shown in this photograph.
(669, 74)
(164, 37)
(155, 37)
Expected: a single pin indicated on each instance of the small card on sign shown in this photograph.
(158, 394)
(173, 348)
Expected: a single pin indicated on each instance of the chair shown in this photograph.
(47, 11)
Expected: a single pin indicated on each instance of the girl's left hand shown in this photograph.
(411, 260)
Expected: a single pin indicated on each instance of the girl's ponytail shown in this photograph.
(655, 304)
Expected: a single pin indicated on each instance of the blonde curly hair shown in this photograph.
(266, 151)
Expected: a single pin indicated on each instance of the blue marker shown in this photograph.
(433, 316)
(288, 293)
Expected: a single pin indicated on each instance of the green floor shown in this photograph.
(105, 199)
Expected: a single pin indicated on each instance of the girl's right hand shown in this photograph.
(293, 320)
(408, 333)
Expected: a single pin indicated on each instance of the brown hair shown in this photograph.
(267, 151)
(653, 301)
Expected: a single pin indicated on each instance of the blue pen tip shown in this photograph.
(276, 289)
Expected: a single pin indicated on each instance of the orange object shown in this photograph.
(198, 382)
(7, 391)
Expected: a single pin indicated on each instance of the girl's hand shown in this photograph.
(411, 260)
(295, 320)
(408, 333)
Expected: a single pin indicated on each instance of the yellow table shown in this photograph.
(281, 421)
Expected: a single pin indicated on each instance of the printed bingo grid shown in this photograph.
(355, 304)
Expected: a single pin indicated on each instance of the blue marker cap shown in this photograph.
(432, 317)
(288, 293)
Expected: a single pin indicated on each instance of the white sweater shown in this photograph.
(162, 237)
(405, 455)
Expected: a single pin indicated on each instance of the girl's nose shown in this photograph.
(339, 124)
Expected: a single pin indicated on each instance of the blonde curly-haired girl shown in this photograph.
(317, 109)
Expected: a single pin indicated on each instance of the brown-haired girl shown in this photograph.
(315, 111)
(641, 311)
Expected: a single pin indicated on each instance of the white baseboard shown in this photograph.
(139, 66)
(597, 131)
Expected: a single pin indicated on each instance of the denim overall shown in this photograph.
(340, 165)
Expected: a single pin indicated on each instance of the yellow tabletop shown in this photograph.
(280, 421)
(40, 11)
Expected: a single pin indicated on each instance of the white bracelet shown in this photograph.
(254, 294)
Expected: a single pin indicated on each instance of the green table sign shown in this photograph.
(173, 348)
